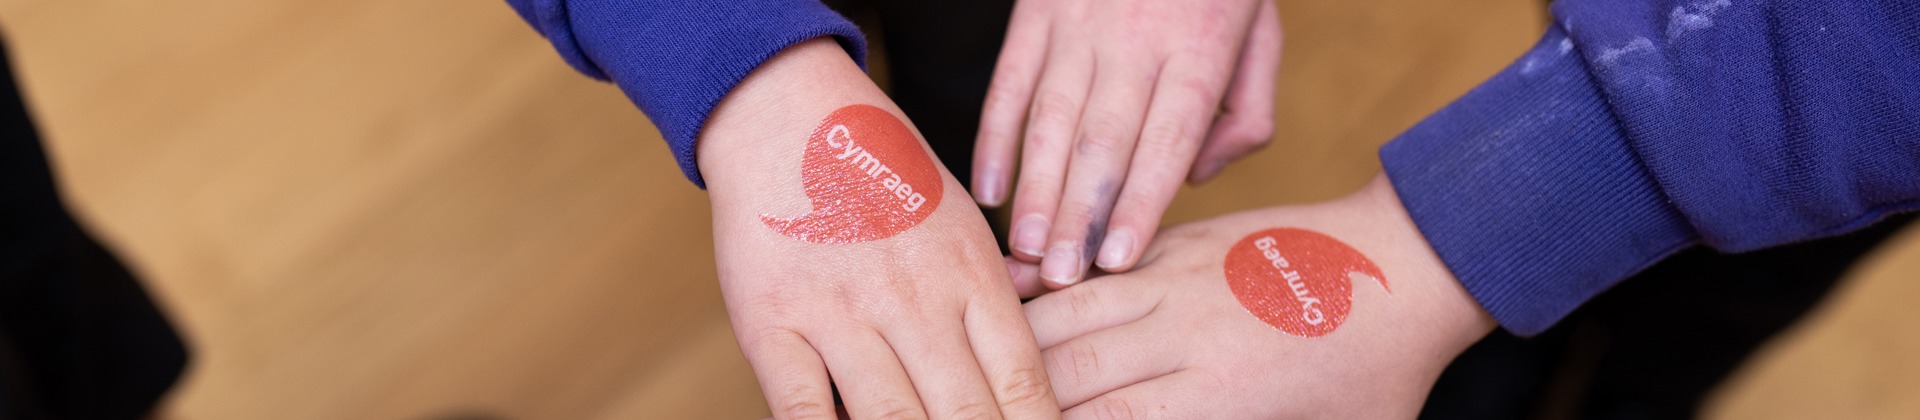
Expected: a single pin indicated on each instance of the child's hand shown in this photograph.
(839, 260)
(1233, 318)
(1109, 105)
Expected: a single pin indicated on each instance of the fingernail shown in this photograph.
(1062, 265)
(1029, 234)
(986, 188)
(1114, 251)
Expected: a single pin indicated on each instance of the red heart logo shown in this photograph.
(867, 177)
(1297, 280)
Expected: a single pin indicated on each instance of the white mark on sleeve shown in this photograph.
(1639, 43)
(1540, 57)
(1698, 16)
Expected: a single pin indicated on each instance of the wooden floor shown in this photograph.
(373, 209)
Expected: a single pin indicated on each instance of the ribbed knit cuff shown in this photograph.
(1527, 188)
(676, 59)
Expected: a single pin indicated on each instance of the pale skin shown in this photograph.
(1106, 107)
(923, 324)
(1169, 339)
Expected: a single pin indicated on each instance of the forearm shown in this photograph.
(1764, 123)
(1604, 150)
(1529, 190)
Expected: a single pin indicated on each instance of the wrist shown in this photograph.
(750, 142)
(1438, 310)
(809, 148)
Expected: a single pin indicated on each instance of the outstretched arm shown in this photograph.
(843, 254)
(1636, 129)
(1332, 310)
(836, 254)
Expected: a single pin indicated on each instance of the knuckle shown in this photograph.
(1100, 137)
(1016, 72)
(1114, 409)
(974, 411)
(1163, 139)
(1082, 362)
(772, 304)
(755, 337)
(1054, 108)
(1003, 97)
(1200, 87)
(797, 405)
(1026, 387)
(893, 409)
(1005, 86)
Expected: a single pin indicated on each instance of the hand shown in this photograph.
(1116, 101)
(1173, 339)
(838, 260)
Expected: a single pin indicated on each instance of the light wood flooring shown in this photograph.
(375, 209)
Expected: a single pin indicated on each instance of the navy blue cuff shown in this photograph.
(1527, 188)
(676, 59)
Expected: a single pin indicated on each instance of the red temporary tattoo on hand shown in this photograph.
(867, 177)
(1296, 280)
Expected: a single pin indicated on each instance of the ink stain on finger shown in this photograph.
(1297, 280)
(1105, 197)
(1096, 232)
(867, 178)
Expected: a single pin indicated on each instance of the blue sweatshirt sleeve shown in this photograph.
(676, 59)
(1635, 129)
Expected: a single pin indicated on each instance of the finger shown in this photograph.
(1109, 359)
(1186, 394)
(1015, 73)
(941, 365)
(1076, 311)
(1097, 168)
(1183, 104)
(1008, 355)
(792, 376)
(1247, 124)
(868, 373)
(1026, 278)
(1052, 120)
